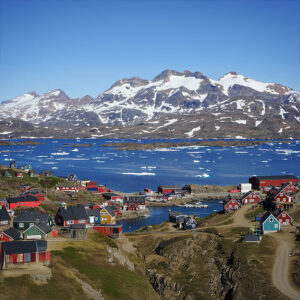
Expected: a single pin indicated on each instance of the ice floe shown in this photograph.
(139, 174)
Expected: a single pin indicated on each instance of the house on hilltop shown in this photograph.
(37, 231)
(108, 215)
(10, 234)
(284, 218)
(67, 216)
(23, 201)
(28, 218)
(20, 252)
(250, 197)
(269, 223)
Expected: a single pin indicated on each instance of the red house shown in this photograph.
(19, 174)
(132, 206)
(134, 202)
(112, 197)
(10, 234)
(231, 204)
(282, 198)
(259, 182)
(284, 218)
(20, 252)
(37, 194)
(112, 231)
(67, 216)
(24, 201)
(24, 188)
(288, 188)
(250, 197)
(165, 189)
(69, 186)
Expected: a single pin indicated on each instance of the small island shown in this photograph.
(19, 143)
(214, 143)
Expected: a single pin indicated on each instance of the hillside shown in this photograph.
(171, 105)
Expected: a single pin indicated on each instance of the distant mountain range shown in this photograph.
(172, 105)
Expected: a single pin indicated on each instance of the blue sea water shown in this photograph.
(132, 171)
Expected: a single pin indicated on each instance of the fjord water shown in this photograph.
(132, 171)
(161, 214)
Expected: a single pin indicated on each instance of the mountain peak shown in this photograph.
(134, 82)
(166, 74)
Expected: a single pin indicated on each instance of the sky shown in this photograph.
(84, 46)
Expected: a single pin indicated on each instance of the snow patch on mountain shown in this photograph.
(232, 78)
(191, 133)
(240, 121)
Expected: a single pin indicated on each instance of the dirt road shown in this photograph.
(280, 275)
(239, 218)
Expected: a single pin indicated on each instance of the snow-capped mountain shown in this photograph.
(172, 100)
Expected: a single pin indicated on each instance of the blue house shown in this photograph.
(94, 216)
(268, 223)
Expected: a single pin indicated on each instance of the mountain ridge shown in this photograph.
(132, 102)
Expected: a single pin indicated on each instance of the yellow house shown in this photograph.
(107, 215)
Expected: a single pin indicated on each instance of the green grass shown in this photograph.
(49, 182)
(59, 287)
(116, 282)
(251, 215)
(240, 231)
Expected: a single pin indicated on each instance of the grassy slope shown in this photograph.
(87, 260)
(203, 254)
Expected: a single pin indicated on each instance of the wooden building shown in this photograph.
(67, 216)
(231, 204)
(134, 202)
(108, 215)
(38, 231)
(282, 198)
(23, 201)
(166, 189)
(259, 182)
(19, 174)
(28, 218)
(3, 202)
(12, 164)
(4, 217)
(284, 218)
(10, 234)
(288, 188)
(94, 216)
(112, 231)
(20, 252)
(70, 186)
(269, 223)
(250, 197)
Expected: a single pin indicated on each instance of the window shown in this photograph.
(271, 219)
(275, 225)
(21, 225)
(30, 224)
(283, 214)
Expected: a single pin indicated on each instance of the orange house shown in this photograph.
(108, 215)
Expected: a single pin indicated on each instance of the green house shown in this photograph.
(26, 168)
(27, 218)
(37, 232)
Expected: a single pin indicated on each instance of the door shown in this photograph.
(27, 257)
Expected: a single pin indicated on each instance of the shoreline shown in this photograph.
(202, 143)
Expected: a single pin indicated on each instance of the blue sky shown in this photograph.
(84, 46)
